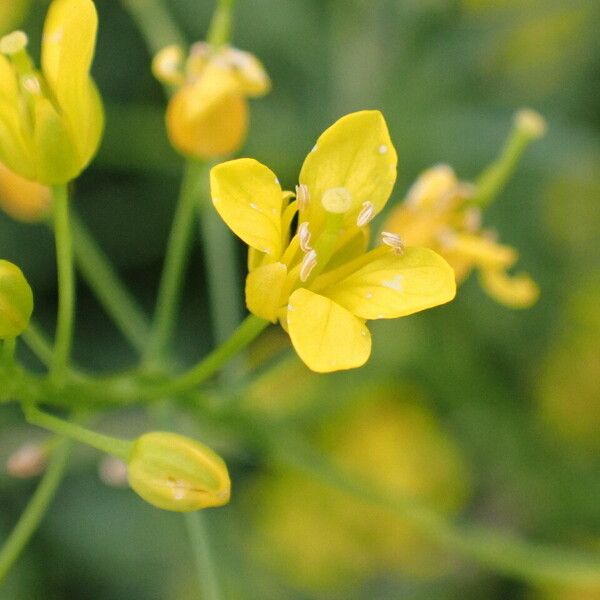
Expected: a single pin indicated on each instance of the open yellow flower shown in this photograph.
(320, 282)
(436, 214)
(51, 121)
(208, 114)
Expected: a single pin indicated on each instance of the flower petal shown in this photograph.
(326, 336)
(264, 290)
(67, 52)
(517, 291)
(249, 199)
(482, 251)
(390, 286)
(356, 154)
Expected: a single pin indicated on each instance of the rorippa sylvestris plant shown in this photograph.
(311, 269)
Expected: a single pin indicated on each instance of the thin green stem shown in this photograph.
(169, 294)
(38, 343)
(219, 32)
(205, 567)
(247, 332)
(108, 288)
(499, 551)
(36, 509)
(155, 23)
(66, 283)
(493, 179)
(104, 443)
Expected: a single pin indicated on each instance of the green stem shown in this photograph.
(219, 32)
(155, 23)
(36, 509)
(169, 293)
(499, 551)
(104, 443)
(38, 343)
(66, 283)
(108, 288)
(247, 331)
(199, 540)
(493, 179)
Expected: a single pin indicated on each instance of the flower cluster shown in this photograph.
(320, 281)
(437, 213)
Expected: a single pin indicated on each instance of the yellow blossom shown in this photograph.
(208, 113)
(437, 214)
(320, 282)
(51, 120)
(22, 199)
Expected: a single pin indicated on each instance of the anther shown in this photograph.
(304, 236)
(365, 216)
(13, 43)
(166, 65)
(308, 264)
(394, 241)
(302, 196)
(32, 84)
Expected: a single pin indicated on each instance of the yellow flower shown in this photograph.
(436, 213)
(51, 120)
(321, 283)
(22, 199)
(208, 114)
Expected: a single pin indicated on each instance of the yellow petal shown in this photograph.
(15, 150)
(67, 51)
(432, 186)
(55, 156)
(390, 286)
(248, 70)
(480, 250)
(249, 199)
(264, 290)
(517, 291)
(208, 118)
(326, 336)
(9, 86)
(354, 154)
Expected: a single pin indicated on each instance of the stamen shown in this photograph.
(337, 200)
(473, 219)
(304, 237)
(166, 65)
(13, 43)
(32, 84)
(308, 264)
(366, 215)
(394, 241)
(302, 196)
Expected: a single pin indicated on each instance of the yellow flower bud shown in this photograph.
(22, 199)
(51, 120)
(207, 116)
(16, 301)
(175, 473)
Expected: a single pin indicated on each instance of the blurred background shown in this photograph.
(484, 412)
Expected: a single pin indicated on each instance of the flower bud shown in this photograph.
(175, 473)
(16, 301)
(27, 461)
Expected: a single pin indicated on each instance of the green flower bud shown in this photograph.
(16, 301)
(176, 473)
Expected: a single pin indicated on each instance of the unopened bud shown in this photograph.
(28, 461)
(16, 301)
(531, 123)
(175, 473)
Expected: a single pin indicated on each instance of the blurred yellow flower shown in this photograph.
(51, 121)
(437, 214)
(16, 301)
(12, 14)
(321, 283)
(207, 116)
(22, 199)
(322, 538)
